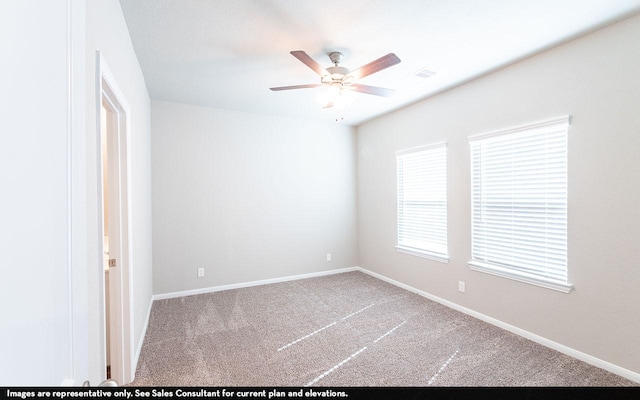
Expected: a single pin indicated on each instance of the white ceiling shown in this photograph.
(228, 53)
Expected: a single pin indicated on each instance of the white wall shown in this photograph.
(40, 206)
(594, 79)
(52, 331)
(248, 197)
(107, 32)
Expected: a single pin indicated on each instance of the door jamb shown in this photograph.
(107, 86)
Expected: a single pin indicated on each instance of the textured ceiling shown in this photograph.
(227, 53)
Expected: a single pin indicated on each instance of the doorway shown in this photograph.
(115, 263)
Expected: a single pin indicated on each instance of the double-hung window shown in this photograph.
(519, 203)
(422, 201)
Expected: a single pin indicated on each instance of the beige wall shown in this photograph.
(248, 197)
(594, 79)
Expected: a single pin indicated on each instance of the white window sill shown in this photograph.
(521, 277)
(424, 254)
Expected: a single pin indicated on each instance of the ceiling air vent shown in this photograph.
(423, 73)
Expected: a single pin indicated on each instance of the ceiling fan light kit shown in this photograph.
(337, 97)
(341, 80)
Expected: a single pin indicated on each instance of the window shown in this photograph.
(519, 203)
(422, 202)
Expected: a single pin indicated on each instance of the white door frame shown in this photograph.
(108, 89)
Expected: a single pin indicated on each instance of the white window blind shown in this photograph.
(519, 203)
(422, 201)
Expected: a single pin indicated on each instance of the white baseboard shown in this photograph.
(625, 373)
(141, 341)
(249, 284)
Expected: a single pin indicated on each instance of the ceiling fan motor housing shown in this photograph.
(337, 75)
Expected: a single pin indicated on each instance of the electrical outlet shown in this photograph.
(200, 272)
(461, 286)
(328, 256)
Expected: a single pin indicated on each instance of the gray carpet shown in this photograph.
(347, 329)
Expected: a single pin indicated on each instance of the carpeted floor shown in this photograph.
(347, 329)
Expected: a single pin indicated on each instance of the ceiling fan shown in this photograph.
(342, 79)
